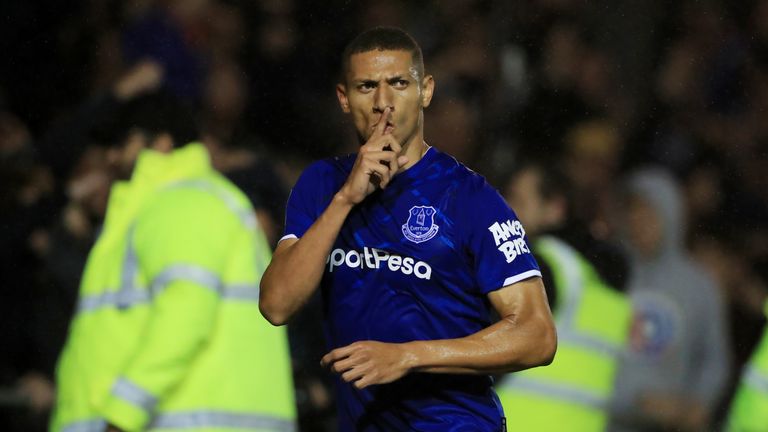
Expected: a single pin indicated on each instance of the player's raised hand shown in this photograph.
(377, 161)
(366, 363)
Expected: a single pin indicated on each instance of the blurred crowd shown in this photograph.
(597, 89)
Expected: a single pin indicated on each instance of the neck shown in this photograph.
(414, 150)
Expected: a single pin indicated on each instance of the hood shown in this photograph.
(657, 187)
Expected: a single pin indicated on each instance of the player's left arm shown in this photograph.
(523, 338)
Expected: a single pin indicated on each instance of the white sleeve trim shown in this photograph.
(517, 278)
(288, 236)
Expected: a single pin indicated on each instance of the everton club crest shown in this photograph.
(420, 225)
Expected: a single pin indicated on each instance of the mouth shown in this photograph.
(388, 128)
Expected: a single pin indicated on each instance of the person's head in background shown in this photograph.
(225, 98)
(654, 216)
(156, 121)
(593, 150)
(538, 193)
(591, 161)
(453, 126)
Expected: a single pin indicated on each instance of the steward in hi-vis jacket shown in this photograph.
(167, 333)
(593, 326)
(593, 318)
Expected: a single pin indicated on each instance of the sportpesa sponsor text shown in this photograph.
(372, 258)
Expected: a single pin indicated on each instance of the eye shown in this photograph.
(366, 87)
(400, 84)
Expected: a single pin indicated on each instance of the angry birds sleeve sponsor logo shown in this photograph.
(508, 237)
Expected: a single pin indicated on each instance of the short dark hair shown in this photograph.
(382, 39)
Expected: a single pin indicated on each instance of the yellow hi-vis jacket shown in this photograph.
(749, 409)
(167, 335)
(593, 324)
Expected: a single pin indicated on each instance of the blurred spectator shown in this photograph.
(92, 120)
(225, 98)
(236, 151)
(743, 288)
(591, 162)
(257, 177)
(172, 33)
(554, 104)
(27, 202)
(174, 277)
(677, 364)
(62, 248)
(592, 318)
(49, 246)
(453, 127)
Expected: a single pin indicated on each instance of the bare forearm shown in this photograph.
(525, 337)
(503, 347)
(295, 272)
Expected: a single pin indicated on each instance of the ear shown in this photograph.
(341, 93)
(427, 90)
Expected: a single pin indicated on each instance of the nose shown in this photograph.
(383, 99)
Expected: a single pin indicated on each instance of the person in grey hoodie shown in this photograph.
(675, 369)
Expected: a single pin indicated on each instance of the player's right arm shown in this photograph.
(298, 263)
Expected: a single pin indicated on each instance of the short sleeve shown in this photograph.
(496, 240)
(309, 197)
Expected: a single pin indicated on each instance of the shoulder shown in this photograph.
(208, 199)
(471, 181)
(467, 181)
(474, 202)
(477, 191)
(337, 165)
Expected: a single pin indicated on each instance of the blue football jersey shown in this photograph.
(414, 261)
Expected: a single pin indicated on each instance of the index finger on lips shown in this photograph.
(381, 126)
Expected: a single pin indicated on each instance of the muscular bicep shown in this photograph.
(525, 331)
(521, 299)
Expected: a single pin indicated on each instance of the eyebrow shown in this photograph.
(397, 78)
(389, 80)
